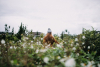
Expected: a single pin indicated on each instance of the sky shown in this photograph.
(58, 15)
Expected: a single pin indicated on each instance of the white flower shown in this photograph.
(2, 41)
(43, 50)
(31, 41)
(88, 47)
(58, 45)
(64, 55)
(76, 39)
(37, 51)
(53, 48)
(13, 41)
(58, 57)
(14, 47)
(77, 44)
(71, 44)
(24, 39)
(88, 51)
(82, 43)
(62, 60)
(34, 37)
(73, 48)
(77, 54)
(84, 46)
(28, 43)
(46, 46)
(23, 45)
(87, 57)
(39, 66)
(83, 37)
(37, 43)
(89, 64)
(41, 38)
(12, 61)
(31, 46)
(46, 59)
(10, 47)
(83, 65)
(24, 51)
(19, 40)
(27, 38)
(98, 65)
(70, 63)
(92, 62)
(65, 50)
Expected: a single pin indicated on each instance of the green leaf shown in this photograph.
(15, 61)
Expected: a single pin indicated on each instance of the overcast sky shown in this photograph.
(39, 15)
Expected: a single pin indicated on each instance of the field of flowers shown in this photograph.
(78, 51)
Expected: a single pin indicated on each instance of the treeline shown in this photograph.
(22, 31)
(10, 35)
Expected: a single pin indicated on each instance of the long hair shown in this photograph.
(49, 39)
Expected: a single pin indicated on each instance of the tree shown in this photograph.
(37, 33)
(7, 29)
(62, 35)
(31, 31)
(66, 30)
(12, 30)
(21, 31)
(83, 31)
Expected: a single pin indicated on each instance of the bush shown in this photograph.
(91, 41)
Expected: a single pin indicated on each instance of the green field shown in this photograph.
(73, 51)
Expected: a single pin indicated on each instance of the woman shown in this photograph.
(49, 39)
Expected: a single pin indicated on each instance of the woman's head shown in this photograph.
(49, 31)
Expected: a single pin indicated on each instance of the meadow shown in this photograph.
(82, 50)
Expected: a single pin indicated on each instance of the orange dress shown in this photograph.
(49, 39)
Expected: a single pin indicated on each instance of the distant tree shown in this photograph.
(6, 35)
(62, 35)
(31, 31)
(83, 31)
(66, 30)
(37, 33)
(21, 31)
(55, 35)
(12, 30)
(7, 29)
(42, 35)
(31, 35)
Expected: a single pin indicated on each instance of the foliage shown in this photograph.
(91, 43)
(21, 31)
(7, 35)
(7, 29)
(62, 35)
(30, 52)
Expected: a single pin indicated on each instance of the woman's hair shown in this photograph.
(49, 33)
(49, 39)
